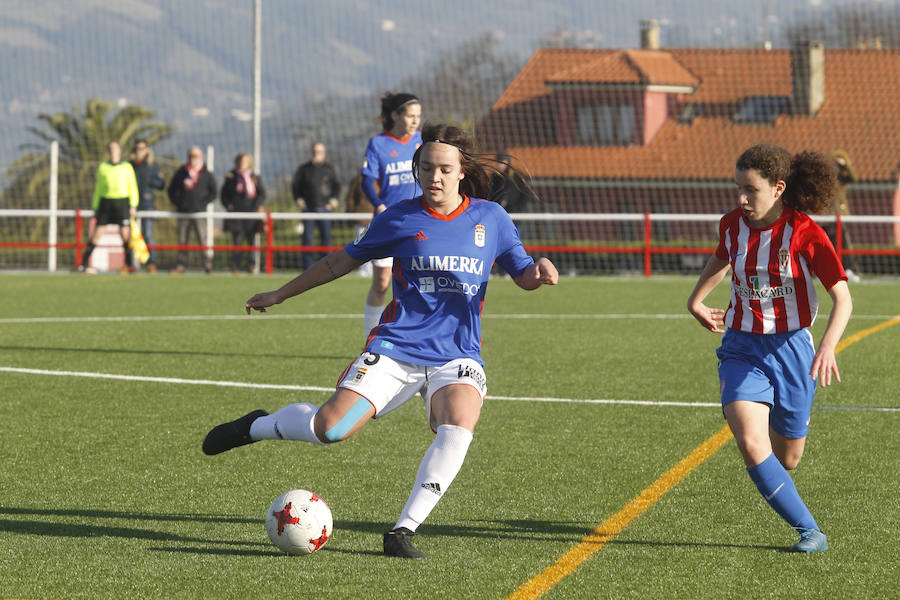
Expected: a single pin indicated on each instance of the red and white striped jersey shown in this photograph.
(772, 287)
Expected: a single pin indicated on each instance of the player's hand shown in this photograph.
(262, 301)
(711, 318)
(824, 365)
(546, 272)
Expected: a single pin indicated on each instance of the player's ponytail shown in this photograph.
(812, 183)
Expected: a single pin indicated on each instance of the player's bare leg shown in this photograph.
(789, 451)
(381, 280)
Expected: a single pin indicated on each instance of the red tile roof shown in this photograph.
(608, 68)
(651, 67)
(861, 112)
(661, 68)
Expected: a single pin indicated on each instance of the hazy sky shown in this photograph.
(192, 61)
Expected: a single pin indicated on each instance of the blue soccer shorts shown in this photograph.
(773, 369)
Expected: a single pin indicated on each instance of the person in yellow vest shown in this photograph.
(115, 202)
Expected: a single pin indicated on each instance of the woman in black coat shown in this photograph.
(243, 191)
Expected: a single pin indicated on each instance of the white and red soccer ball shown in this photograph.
(299, 522)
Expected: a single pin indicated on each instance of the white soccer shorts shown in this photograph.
(385, 263)
(388, 383)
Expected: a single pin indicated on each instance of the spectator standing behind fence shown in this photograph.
(191, 190)
(243, 191)
(316, 188)
(115, 202)
(841, 206)
(388, 164)
(148, 179)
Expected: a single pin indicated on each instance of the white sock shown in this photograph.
(371, 316)
(436, 472)
(293, 422)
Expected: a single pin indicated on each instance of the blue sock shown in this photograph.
(777, 487)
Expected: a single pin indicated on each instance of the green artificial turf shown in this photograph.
(104, 492)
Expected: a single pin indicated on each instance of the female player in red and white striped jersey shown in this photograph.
(768, 367)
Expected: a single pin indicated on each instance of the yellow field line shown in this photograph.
(865, 332)
(610, 528)
(616, 523)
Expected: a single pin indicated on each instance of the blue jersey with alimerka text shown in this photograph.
(389, 162)
(441, 270)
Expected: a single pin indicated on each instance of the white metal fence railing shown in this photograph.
(579, 242)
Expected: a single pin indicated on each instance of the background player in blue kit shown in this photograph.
(428, 341)
(389, 164)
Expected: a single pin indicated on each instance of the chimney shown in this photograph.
(650, 34)
(807, 78)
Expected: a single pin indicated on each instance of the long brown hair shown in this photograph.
(476, 166)
(810, 177)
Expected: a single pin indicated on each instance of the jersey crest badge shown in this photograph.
(784, 258)
(479, 236)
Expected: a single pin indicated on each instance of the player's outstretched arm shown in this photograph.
(535, 275)
(711, 318)
(824, 364)
(329, 268)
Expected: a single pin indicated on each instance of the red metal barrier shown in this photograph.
(839, 238)
(270, 237)
(78, 243)
(645, 248)
(648, 243)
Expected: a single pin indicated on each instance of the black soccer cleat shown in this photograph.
(397, 543)
(231, 435)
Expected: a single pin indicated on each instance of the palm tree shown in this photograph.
(83, 138)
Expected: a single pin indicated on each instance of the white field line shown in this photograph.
(552, 316)
(176, 380)
(309, 388)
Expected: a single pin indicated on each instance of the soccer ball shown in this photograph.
(299, 522)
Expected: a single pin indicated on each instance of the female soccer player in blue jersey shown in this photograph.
(388, 164)
(768, 366)
(429, 338)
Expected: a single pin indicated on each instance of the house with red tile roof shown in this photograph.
(659, 130)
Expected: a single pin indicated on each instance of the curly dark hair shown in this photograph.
(476, 166)
(810, 178)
